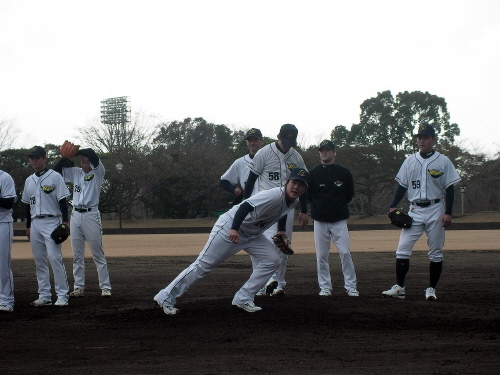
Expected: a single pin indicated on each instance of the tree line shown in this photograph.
(172, 169)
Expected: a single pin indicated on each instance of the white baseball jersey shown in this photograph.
(273, 167)
(86, 186)
(269, 206)
(43, 193)
(427, 179)
(7, 190)
(238, 172)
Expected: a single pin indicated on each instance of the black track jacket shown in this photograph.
(331, 189)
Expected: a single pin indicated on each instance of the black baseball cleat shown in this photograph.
(270, 287)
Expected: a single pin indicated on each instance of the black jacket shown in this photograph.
(331, 189)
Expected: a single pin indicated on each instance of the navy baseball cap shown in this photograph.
(254, 133)
(327, 143)
(288, 135)
(38, 152)
(300, 174)
(426, 129)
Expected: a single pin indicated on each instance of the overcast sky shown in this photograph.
(246, 63)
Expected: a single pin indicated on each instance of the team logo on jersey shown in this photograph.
(291, 166)
(89, 177)
(434, 173)
(338, 183)
(48, 189)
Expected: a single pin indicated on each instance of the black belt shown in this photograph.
(44, 216)
(82, 209)
(426, 203)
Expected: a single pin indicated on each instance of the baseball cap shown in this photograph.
(300, 174)
(426, 129)
(38, 152)
(254, 133)
(327, 143)
(288, 135)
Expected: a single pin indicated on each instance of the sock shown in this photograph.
(435, 269)
(402, 267)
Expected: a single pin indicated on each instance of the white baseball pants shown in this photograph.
(6, 278)
(338, 233)
(279, 275)
(428, 219)
(86, 226)
(217, 249)
(46, 251)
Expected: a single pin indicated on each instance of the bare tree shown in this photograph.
(113, 138)
(8, 133)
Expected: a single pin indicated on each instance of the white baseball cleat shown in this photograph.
(430, 294)
(352, 293)
(249, 307)
(169, 310)
(325, 292)
(106, 293)
(61, 302)
(41, 302)
(6, 308)
(78, 292)
(396, 292)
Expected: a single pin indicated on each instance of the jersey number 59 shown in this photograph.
(415, 184)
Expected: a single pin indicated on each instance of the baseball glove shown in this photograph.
(68, 150)
(237, 200)
(282, 242)
(60, 234)
(400, 219)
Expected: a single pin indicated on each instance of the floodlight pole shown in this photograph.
(462, 191)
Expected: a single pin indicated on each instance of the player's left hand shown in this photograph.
(446, 220)
(234, 237)
(303, 219)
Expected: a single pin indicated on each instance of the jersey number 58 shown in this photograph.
(274, 176)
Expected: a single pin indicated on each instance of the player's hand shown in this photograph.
(392, 209)
(446, 220)
(238, 191)
(234, 237)
(303, 219)
(28, 233)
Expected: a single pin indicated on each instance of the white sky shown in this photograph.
(246, 63)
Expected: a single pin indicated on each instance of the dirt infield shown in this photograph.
(300, 333)
(303, 243)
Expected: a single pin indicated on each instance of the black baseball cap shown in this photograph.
(38, 151)
(288, 135)
(426, 129)
(254, 133)
(300, 174)
(328, 144)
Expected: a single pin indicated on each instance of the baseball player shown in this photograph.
(86, 218)
(428, 177)
(270, 168)
(242, 227)
(7, 198)
(45, 194)
(235, 178)
(331, 189)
